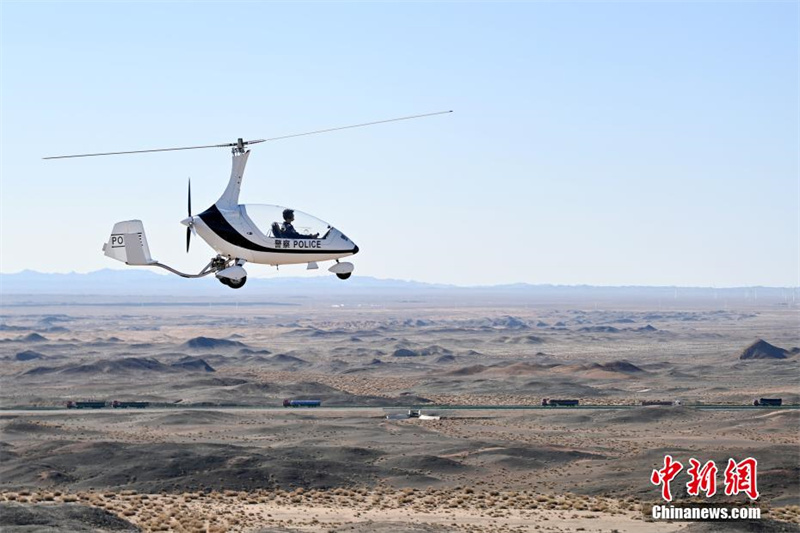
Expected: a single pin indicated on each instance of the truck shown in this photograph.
(301, 403)
(86, 405)
(768, 402)
(661, 402)
(125, 405)
(547, 402)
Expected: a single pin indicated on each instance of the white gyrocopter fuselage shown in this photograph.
(243, 233)
(263, 234)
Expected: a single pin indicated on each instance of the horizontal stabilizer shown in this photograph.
(128, 243)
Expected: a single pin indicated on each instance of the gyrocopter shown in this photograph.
(240, 233)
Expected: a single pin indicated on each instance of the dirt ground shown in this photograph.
(216, 451)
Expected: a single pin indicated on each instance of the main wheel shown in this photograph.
(237, 284)
(225, 281)
(344, 275)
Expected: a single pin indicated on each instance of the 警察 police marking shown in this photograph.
(306, 244)
(298, 243)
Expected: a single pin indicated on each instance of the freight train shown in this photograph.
(125, 405)
(547, 402)
(86, 405)
(96, 404)
(301, 403)
(771, 402)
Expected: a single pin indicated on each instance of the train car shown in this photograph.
(547, 402)
(133, 405)
(301, 403)
(86, 405)
(769, 402)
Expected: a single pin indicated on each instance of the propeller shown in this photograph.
(189, 221)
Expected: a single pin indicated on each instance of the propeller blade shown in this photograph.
(188, 238)
(190, 196)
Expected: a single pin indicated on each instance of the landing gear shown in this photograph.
(342, 270)
(234, 284)
(229, 272)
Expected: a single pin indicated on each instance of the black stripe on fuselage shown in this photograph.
(217, 223)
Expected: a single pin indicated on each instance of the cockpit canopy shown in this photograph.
(264, 216)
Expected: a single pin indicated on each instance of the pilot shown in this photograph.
(288, 231)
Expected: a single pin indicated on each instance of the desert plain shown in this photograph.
(215, 450)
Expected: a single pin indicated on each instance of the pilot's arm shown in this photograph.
(290, 232)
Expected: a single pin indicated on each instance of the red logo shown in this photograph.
(665, 475)
(703, 479)
(739, 477)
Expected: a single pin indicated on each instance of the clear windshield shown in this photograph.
(269, 219)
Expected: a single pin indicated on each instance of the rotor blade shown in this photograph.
(348, 127)
(255, 141)
(188, 237)
(227, 145)
(190, 196)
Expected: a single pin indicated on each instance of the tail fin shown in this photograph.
(128, 243)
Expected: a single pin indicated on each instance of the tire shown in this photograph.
(225, 281)
(237, 284)
(344, 276)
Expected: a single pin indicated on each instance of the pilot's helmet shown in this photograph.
(288, 214)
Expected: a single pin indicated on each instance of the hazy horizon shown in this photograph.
(136, 273)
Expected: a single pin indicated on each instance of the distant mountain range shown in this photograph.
(136, 282)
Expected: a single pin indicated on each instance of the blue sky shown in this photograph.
(599, 143)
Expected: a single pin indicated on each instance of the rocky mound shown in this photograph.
(405, 352)
(468, 370)
(209, 343)
(125, 364)
(620, 366)
(63, 517)
(761, 349)
(193, 363)
(122, 366)
(29, 355)
(6, 327)
(175, 467)
(435, 349)
(526, 339)
(33, 337)
(286, 359)
(599, 329)
(510, 322)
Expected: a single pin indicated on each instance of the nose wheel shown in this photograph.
(230, 272)
(342, 270)
(233, 284)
